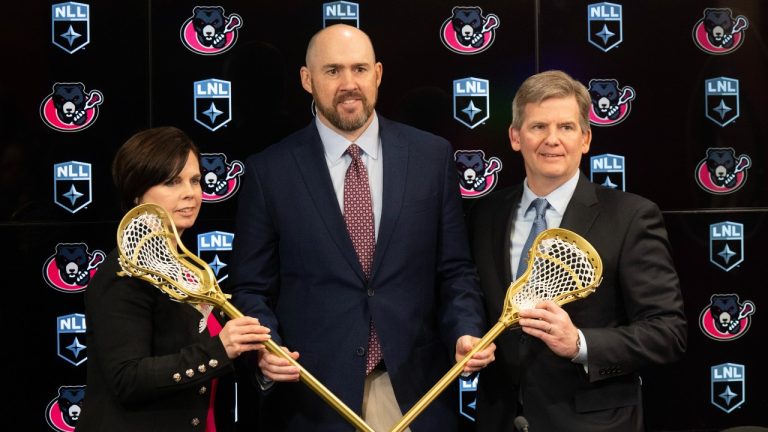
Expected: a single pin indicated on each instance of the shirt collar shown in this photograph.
(335, 145)
(558, 199)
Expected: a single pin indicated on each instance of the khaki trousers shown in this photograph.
(380, 409)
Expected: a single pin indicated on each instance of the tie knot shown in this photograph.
(354, 151)
(540, 205)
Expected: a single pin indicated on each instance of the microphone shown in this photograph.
(521, 424)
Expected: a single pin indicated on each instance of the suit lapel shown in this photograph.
(501, 232)
(310, 160)
(582, 209)
(395, 154)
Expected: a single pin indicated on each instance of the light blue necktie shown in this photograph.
(539, 225)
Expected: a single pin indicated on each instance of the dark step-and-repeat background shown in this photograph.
(686, 84)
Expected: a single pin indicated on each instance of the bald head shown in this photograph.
(343, 76)
(339, 36)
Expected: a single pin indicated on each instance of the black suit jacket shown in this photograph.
(138, 340)
(294, 268)
(634, 319)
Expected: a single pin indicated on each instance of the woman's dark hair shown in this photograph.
(149, 158)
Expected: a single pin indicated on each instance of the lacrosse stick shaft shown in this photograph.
(307, 378)
(450, 376)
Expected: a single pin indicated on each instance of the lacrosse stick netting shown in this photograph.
(562, 267)
(150, 249)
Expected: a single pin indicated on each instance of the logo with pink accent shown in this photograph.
(610, 102)
(721, 171)
(468, 31)
(726, 318)
(718, 33)
(209, 32)
(71, 267)
(221, 180)
(63, 411)
(70, 108)
(477, 175)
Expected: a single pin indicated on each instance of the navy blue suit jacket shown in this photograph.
(295, 269)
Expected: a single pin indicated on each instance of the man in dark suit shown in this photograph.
(296, 264)
(573, 368)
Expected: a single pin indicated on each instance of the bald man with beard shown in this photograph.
(295, 265)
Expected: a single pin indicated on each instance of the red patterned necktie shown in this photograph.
(358, 215)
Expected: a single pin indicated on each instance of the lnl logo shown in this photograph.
(728, 386)
(213, 103)
(468, 397)
(214, 248)
(721, 100)
(471, 101)
(726, 244)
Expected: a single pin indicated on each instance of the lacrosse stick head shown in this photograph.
(150, 249)
(562, 267)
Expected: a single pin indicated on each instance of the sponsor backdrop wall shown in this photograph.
(679, 116)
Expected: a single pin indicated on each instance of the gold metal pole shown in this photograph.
(159, 224)
(307, 378)
(449, 377)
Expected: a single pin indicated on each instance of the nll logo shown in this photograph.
(471, 101)
(604, 25)
(341, 12)
(213, 103)
(607, 170)
(70, 26)
(726, 244)
(70, 332)
(72, 185)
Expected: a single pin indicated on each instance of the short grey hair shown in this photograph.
(550, 84)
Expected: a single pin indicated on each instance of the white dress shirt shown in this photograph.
(558, 201)
(370, 143)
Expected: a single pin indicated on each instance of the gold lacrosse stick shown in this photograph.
(151, 250)
(562, 267)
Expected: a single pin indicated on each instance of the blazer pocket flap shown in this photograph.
(613, 395)
(421, 204)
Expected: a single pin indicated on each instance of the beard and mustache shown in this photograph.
(346, 123)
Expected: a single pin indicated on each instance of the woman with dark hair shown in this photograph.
(150, 367)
